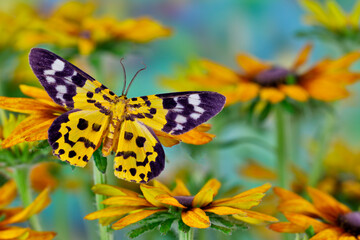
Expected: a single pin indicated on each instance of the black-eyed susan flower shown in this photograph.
(14, 215)
(125, 207)
(329, 218)
(325, 81)
(43, 111)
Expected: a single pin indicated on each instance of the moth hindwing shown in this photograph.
(123, 126)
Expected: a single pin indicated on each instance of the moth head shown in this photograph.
(125, 92)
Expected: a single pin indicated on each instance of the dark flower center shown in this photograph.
(350, 222)
(273, 77)
(185, 200)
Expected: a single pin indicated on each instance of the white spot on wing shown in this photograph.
(49, 72)
(194, 99)
(58, 65)
(180, 119)
(50, 80)
(199, 109)
(178, 127)
(61, 89)
(195, 115)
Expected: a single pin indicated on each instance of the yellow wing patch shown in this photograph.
(139, 155)
(75, 135)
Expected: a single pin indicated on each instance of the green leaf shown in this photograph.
(2, 217)
(265, 112)
(144, 228)
(310, 231)
(223, 221)
(183, 227)
(100, 161)
(222, 229)
(290, 79)
(165, 226)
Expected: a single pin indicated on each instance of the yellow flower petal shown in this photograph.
(109, 190)
(8, 193)
(150, 193)
(212, 184)
(25, 105)
(34, 235)
(225, 210)
(35, 92)
(168, 200)
(251, 65)
(272, 95)
(355, 15)
(41, 177)
(305, 222)
(328, 234)
(180, 189)
(203, 198)
(302, 57)
(223, 74)
(286, 227)
(196, 218)
(158, 184)
(257, 171)
(319, 14)
(35, 207)
(126, 201)
(295, 92)
(243, 92)
(133, 218)
(13, 233)
(337, 16)
(111, 212)
(255, 217)
(325, 90)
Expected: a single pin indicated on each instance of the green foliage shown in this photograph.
(225, 224)
(100, 161)
(165, 226)
(310, 232)
(143, 229)
(183, 227)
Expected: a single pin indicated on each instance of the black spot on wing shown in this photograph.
(159, 164)
(96, 127)
(128, 136)
(82, 124)
(140, 141)
(54, 130)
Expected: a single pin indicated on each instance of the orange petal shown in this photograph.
(286, 227)
(225, 210)
(298, 206)
(285, 194)
(111, 212)
(35, 207)
(26, 105)
(180, 189)
(302, 57)
(41, 176)
(196, 137)
(327, 205)
(196, 218)
(168, 200)
(33, 128)
(251, 65)
(295, 92)
(8, 193)
(255, 218)
(126, 201)
(35, 92)
(328, 234)
(347, 236)
(34, 235)
(109, 190)
(13, 233)
(162, 186)
(133, 218)
(261, 189)
(272, 95)
(212, 184)
(150, 193)
(322, 89)
(257, 171)
(306, 222)
(223, 74)
(344, 62)
(243, 92)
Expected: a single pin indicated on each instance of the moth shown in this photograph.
(122, 125)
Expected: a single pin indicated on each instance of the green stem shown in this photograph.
(100, 178)
(21, 176)
(324, 141)
(282, 144)
(186, 235)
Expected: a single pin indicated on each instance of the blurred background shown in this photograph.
(213, 29)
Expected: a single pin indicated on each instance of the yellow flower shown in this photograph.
(127, 207)
(43, 111)
(15, 215)
(329, 218)
(330, 15)
(325, 81)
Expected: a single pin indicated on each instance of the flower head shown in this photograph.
(325, 81)
(329, 218)
(197, 211)
(13, 215)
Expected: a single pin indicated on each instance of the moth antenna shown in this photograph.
(135, 77)
(124, 71)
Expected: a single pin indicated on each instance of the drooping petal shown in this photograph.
(225, 210)
(180, 189)
(35, 207)
(126, 201)
(35, 92)
(286, 227)
(8, 193)
(261, 189)
(169, 200)
(150, 193)
(302, 57)
(272, 95)
(109, 190)
(328, 234)
(299, 206)
(252, 217)
(323, 89)
(251, 65)
(111, 212)
(306, 222)
(196, 218)
(26, 105)
(34, 235)
(327, 205)
(133, 218)
(295, 92)
(14, 233)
